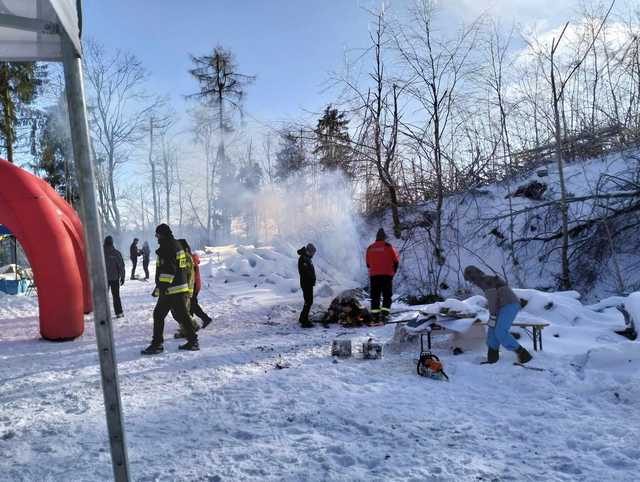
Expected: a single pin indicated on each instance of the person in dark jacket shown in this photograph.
(146, 254)
(503, 307)
(307, 281)
(382, 261)
(115, 273)
(173, 292)
(134, 252)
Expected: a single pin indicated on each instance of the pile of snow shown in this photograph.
(274, 268)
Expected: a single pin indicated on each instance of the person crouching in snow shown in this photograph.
(382, 261)
(504, 306)
(307, 281)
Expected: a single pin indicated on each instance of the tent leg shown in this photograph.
(93, 239)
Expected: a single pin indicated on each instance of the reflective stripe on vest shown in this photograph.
(174, 290)
(166, 278)
(181, 256)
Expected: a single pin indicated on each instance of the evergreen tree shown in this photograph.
(52, 152)
(19, 87)
(332, 144)
(291, 157)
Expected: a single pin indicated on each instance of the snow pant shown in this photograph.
(196, 309)
(179, 308)
(114, 286)
(499, 334)
(134, 263)
(145, 267)
(381, 286)
(307, 294)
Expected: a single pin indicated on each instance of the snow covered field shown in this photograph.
(228, 413)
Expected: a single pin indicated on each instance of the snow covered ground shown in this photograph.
(228, 413)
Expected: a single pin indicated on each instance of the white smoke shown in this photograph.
(316, 210)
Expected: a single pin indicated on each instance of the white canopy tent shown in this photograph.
(35, 30)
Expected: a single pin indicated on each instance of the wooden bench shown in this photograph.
(533, 329)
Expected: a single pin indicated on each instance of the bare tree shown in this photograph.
(119, 108)
(376, 141)
(438, 68)
(558, 82)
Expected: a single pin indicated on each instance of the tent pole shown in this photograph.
(15, 256)
(93, 241)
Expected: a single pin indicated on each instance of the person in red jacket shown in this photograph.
(196, 309)
(383, 261)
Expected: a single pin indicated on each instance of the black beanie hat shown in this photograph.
(164, 230)
(108, 241)
(381, 235)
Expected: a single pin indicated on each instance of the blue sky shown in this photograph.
(291, 45)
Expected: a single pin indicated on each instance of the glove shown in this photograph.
(121, 281)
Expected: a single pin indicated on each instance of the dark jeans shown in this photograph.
(178, 306)
(381, 285)
(115, 294)
(134, 263)
(307, 294)
(145, 267)
(196, 309)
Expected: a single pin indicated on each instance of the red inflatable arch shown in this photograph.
(50, 233)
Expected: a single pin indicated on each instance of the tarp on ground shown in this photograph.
(28, 28)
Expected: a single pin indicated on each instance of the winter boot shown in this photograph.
(306, 324)
(152, 349)
(523, 355)
(191, 345)
(206, 322)
(493, 354)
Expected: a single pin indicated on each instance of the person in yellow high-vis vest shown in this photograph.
(173, 292)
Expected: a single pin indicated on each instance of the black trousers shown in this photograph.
(145, 267)
(178, 306)
(134, 263)
(196, 309)
(115, 294)
(381, 286)
(307, 294)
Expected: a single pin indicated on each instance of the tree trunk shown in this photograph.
(154, 187)
(565, 276)
(8, 114)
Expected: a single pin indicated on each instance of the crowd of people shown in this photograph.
(178, 283)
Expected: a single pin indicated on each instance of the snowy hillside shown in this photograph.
(263, 400)
(476, 231)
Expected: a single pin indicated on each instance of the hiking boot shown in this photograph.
(152, 349)
(493, 355)
(628, 332)
(306, 324)
(523, 355)
(206, 322)
(191, 345)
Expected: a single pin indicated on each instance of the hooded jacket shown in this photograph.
(172, 276)
(495, 289)
(305, 268)
(114, 263)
